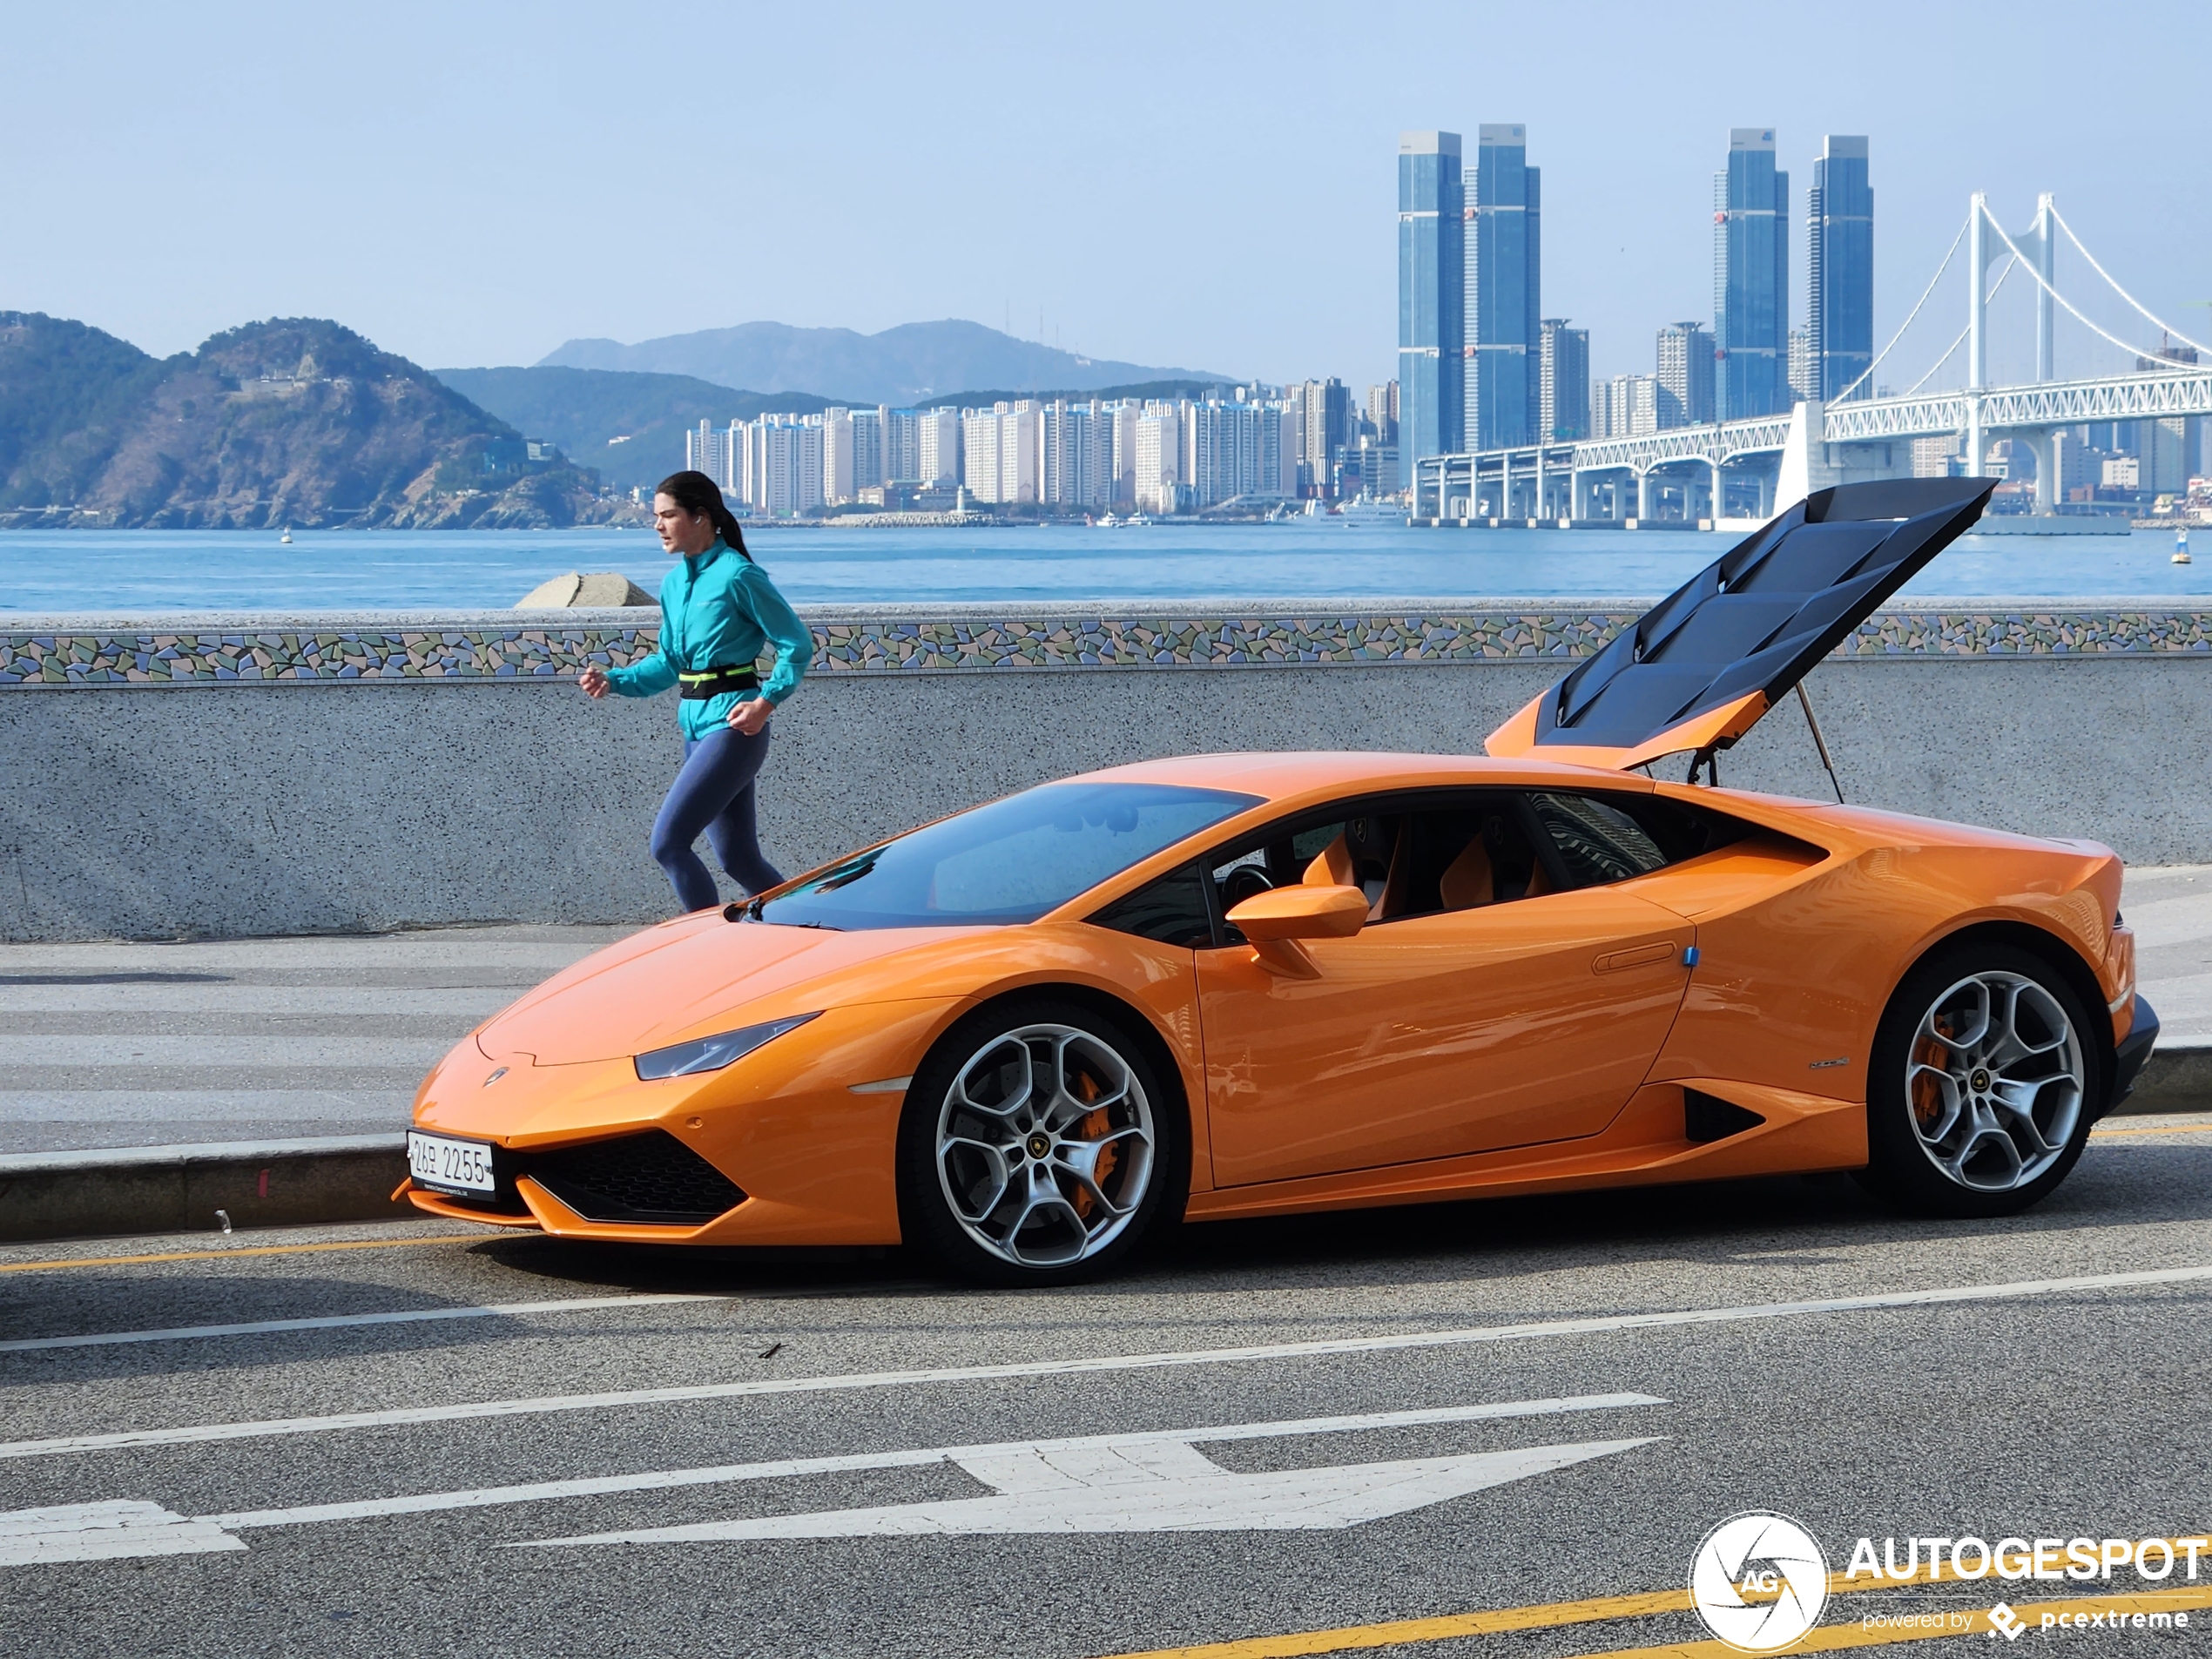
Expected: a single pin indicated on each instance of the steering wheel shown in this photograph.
(1241, 883)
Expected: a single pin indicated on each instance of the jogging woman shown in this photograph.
(718, 611)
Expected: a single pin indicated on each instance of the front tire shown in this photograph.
(1037, 1146)
(1984, 1076)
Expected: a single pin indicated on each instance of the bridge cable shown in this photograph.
(2132, 351)
(1892, 347)
(1963, 333)
(2121, 292)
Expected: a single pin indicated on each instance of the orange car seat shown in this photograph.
(1468, 881)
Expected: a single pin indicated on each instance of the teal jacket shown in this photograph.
(718, 609)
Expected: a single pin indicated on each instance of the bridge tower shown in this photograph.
(2046, 310)
(1977, 325)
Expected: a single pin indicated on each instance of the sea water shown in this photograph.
(48, 572)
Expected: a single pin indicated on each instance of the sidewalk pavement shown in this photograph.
(120, 1045)
(221, 1063)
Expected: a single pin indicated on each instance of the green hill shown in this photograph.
(295, 421)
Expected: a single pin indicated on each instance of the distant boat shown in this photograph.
(1369, 510)
(286, 537)
(1107, 522)
(1136, 521)
(2181, 546)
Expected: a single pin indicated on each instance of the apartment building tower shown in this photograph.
(1432, 295)
(1686, 365)
(1562, 382)
(1750, 279)
(1839, 218)
(1503, 255)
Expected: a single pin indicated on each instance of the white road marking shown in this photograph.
(102, 1531)
(304, 1051)
(1170, 1488)
(599, 1486)
(1182, 1490)
(342, 1321)
(68, 1445)
(251, 1000)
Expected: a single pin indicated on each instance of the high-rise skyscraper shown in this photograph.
(1840, 216)
(1563, 382)
(1324, 427)
(1432, 295)
(1504, 247)
(1382, 410)
(1685, 376)
(1751, 278)
(1803, 385)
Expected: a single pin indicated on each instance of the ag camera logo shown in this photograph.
(1759, 1581)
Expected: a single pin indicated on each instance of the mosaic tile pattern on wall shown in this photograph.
(118, 657)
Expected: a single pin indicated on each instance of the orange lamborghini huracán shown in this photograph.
(1239, 985)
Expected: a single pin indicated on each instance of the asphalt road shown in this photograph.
(773, 1412)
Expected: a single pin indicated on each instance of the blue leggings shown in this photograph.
(713, 793)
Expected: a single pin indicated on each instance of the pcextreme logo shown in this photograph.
(1759, 1581)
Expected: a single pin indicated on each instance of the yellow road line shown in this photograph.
(2152, 1129)
(1351, 1638)
(242, 1249)
(1598, 1609)
(1833, 1638)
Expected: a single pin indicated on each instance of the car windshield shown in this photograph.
(1010, 861)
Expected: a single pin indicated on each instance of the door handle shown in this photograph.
(1635, 956)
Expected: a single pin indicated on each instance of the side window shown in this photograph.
(1600, 840)
(1171, 910)
(1412, 855)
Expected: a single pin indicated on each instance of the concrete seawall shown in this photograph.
(304, 789)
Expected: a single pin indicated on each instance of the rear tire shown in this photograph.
(1983, 1080)
(1037, 1146)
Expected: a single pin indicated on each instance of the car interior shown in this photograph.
(1467, 852)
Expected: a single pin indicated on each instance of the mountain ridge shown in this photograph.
(290, 421)
(909, 363)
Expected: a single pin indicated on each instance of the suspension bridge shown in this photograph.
(1785, 456)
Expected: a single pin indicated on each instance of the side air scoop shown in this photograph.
(1698, 669)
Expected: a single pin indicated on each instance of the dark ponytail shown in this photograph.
(698, 494)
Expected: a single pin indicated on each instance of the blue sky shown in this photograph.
(1204, 185)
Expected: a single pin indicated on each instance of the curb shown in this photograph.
(2177, 1078)
(178, 1189)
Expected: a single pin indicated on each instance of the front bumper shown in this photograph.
(2134, 1049)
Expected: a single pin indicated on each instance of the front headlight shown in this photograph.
(712, 1054)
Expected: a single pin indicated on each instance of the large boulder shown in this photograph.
(595, 590)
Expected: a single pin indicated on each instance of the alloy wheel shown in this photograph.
(1994, 1081)
(1045, 1145)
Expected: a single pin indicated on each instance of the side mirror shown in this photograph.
(1301, 913)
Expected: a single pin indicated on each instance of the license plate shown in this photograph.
(436, 1161)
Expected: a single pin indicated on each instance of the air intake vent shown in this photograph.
(653, 1178)
(1707, 1117)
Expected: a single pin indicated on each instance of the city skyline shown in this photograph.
(531, 181)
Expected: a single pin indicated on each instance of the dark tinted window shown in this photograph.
(1171, 910)
(1010, 861)
(1601, 839)
(1412, 854)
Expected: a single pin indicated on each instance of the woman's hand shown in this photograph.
(594, 681)
(750, 717)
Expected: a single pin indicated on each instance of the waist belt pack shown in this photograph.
(715, 681)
